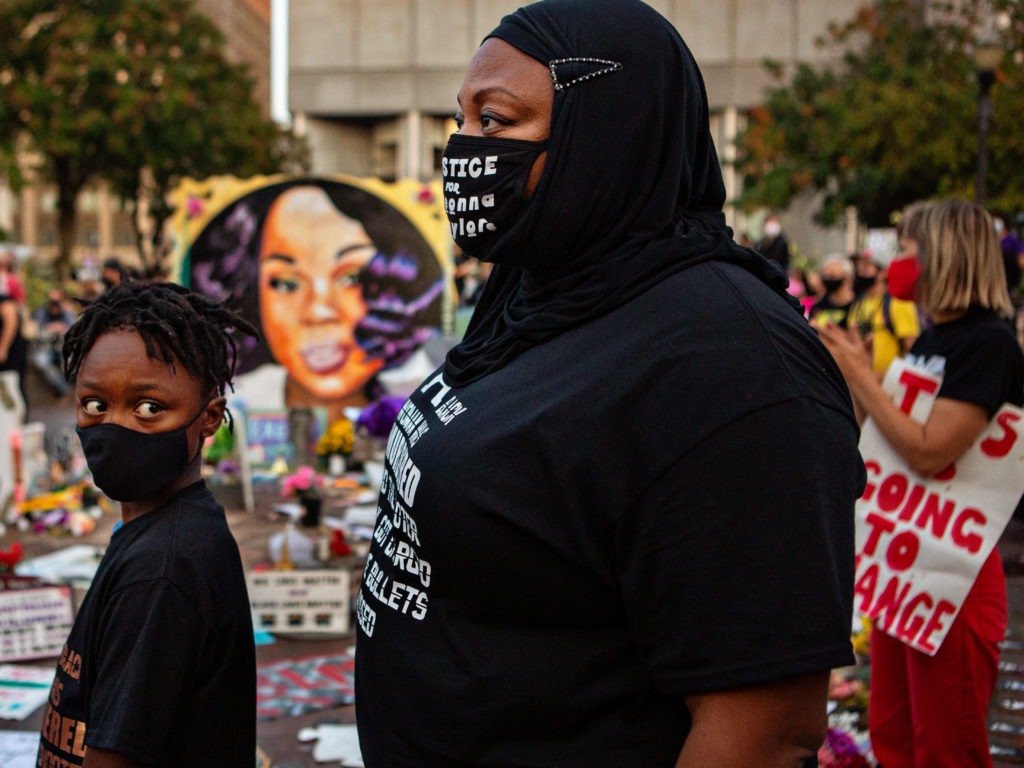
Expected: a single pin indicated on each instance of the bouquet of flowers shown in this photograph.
(304, 484)
(841, 750)
(338, 440)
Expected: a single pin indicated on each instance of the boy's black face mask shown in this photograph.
(128, 465)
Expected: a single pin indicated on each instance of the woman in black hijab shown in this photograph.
(609, 533)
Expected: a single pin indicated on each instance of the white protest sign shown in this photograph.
(301, 601)
(921, 541)
(34, 623)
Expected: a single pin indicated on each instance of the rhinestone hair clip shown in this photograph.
(611, 66)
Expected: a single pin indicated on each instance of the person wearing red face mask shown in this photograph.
(930, 711)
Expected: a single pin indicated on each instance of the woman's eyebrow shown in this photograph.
(483, 93)
(348, 249)
(280, 257)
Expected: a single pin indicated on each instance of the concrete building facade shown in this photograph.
(372, 83)
(103, 229)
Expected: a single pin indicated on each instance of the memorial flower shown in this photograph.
(303, 484)
(339, 439)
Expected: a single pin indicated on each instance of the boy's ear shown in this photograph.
(213, 416)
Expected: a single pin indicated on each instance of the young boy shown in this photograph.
(159, 667)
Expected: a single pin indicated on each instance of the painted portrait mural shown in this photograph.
(346, 278)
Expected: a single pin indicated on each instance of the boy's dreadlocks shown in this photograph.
(176, 325)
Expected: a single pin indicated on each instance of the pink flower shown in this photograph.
(305, 479)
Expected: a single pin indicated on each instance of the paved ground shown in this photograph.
(278, 739)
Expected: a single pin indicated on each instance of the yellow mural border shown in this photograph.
(198, 201)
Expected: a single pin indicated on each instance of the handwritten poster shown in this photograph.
(921, 541)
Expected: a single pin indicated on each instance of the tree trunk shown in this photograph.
(68, 188)
(66, 225)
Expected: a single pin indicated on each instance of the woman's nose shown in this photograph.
(322, 306)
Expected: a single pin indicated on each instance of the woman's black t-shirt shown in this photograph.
(655, 504)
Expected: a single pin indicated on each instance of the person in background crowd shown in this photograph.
(10, 283)
(889, 323)
(159, 667)
(837, 279)
(112, 274)
(930, 711)
(604, 555)
(52, 321)
(805, 286)
(1013, 262)
(13, 345)
(774, 244)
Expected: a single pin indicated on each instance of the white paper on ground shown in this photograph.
(334, 743)
(18, 749)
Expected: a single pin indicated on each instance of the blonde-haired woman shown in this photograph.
(931, 710)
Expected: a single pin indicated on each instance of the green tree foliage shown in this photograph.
(893, 120)
(134, 91)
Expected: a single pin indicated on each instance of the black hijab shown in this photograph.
(631, 192)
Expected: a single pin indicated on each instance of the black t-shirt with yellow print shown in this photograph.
(160, 662)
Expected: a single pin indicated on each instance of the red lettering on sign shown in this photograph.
(911, 621)
(873, 468)
(878, 525)
(865, 589)
(996, 448)
(915, 385)
(935, 624)
(902, 551)
(939, 516)
(970, 541)
(913, 499)
(892, 492)
(890, 600)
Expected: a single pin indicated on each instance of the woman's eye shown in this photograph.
(284, 285)
(347, 280)
(459, 120)
(148, 410)
(93, 407)
(491, 122)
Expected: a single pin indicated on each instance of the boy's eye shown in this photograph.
(283, 285)
(93, 407)
(148, 410)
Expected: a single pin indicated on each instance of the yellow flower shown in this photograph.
(339, 438)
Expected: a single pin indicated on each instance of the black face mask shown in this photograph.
(832, 284)
(128, 465)
(862, 282)
(485, 188)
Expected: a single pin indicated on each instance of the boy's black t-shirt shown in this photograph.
(160, 663)
(656, 504)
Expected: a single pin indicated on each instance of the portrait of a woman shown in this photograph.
(340, 282)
